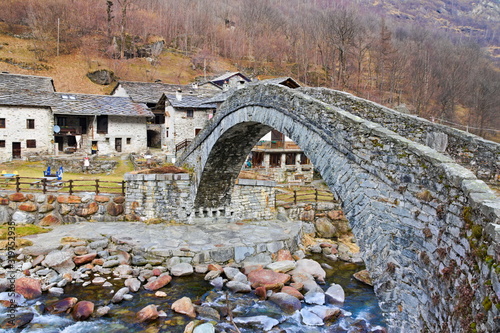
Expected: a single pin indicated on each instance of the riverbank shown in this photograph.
(289, 288)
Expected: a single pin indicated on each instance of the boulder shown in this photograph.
(61, 261)
(311, 267)
(286, 302)
(118, 296)
(324, 228)
(84, 259)
(310, 318)
(133, 284)
(363, 276)
(160, 282)
(28, 287)
(335, 294)
(283, 254)
(282, 266)
(238, 287)
(147, 313)
(182, 269)
(292, 291)
(204, 328)
(262, 323)
(103, 77)
(18, 322)
(82, 310)
(184, 306)
(63, 305)
(268, 279)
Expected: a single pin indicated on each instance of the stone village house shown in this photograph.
(36, 120)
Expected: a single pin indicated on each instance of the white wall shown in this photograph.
(16, 130)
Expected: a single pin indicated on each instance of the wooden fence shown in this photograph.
(44, 185)
(304, 195)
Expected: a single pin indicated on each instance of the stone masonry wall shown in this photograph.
(475, 153)
(48, 209)
(169, 197)
(428, 228)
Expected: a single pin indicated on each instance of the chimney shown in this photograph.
(178, 95)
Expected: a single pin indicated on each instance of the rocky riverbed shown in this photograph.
(291, 294)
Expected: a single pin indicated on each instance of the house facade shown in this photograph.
(36, 120)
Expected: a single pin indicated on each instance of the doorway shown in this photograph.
(16, 149)
(118, 144)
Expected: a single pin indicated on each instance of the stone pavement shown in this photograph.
(254, 241)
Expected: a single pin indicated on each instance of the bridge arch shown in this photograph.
(410, 208)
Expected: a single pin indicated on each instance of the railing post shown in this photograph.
(294, 197)
(97, 186)
(123, 187)
(71, 187)
(316, 195)
(18, 185)
(44, 185)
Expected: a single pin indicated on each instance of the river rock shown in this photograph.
(310, 267)
(201, 268)
(28, 287)
(211, 275)
(262, 323)
(147, 313)
(102, 311)
(61, 261)
(283, 254)
(238, 287)
(292, 291)
(111, 263)
(286, 302)
(20, 320)
(133, 284)
(184, 306)
(268, 279)
(64, 305)
(98, 280)
(261, 293)
(281, 266)
(160, 294)
(363, 276)
(84, 259)
(182, 269)
(218, 282)
(82, 310)
(310, 318)
(231, 272)
(123, 270)
(325, 228)
(204, 328)
(118, 296)
(335, 294)
(160, 282)
(315, 297)
(208, 312)
(326, 313)
(56, 291)
(240, 277)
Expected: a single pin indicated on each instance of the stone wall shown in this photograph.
(475, 153)
(429, 230)
(48, 209)
(169, 197)
(74, 163)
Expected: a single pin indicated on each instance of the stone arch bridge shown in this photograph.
(428, 227)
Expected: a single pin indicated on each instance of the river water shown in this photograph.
(361, 312)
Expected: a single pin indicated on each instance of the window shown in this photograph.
(189, 113)
(290, 159)
(102, 124)
(30, 143)
(2, 122)
(196, 131)
(304, 159)
(275, 160)
(30, 123)
(2, 143)
(129, 140)
(61, 121)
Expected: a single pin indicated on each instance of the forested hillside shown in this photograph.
(435, 57)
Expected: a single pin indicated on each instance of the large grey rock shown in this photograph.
(61, 261)
(118, 296)
(335, 294)
(238, 287)
(310, 318)
(263, 323)
(182, 269)
(286, 302)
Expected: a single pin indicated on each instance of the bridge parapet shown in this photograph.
(475, 153)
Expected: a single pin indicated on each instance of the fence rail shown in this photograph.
(304, 195)
(44, 185)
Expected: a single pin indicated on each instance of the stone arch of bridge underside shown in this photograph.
(404, 201)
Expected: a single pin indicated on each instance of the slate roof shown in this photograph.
(148, 92)
(189, 102)
(284, 81)
(220, 79)
(17, 82)
(81, 104)
(77, 104)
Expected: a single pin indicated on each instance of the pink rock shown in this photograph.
(292, 291)
(28, 287)
(86, 258)
(160, 282)
(284, 255)
(82, 310)
(184, 306)
(147, 313)
(268, 279)
(63, 305)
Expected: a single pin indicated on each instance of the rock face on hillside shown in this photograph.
(102, 77)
